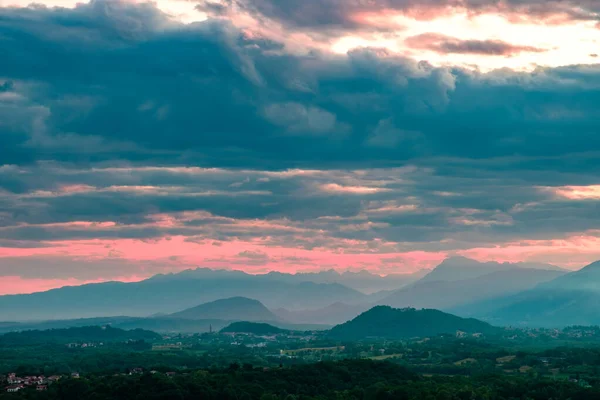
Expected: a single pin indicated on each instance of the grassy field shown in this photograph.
(504, 360)
(466, 361)
(387, 356)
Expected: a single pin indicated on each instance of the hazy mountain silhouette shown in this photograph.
(587, 278)
(454, 282)
(572, 299)
(461, 268)
(449, 294)
(231, 309)
(503, 293)
(363, 280)
(392, 323)
(171, 293)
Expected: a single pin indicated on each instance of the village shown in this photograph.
(13, 383)
(40, 383)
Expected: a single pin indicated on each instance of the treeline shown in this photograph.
(57, 359)
(350, 379)
(75, 335)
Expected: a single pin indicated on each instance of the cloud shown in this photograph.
(337, 14)
(141, 128)
(249, 257)
(317, 110)
(336, 188)
(446, 44)
(591, 192)
(386, 135)
(406, 208)
(255, 255)
(297, 119)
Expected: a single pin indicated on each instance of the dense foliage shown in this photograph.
(83, 334)
(350, 379)
(516, 364)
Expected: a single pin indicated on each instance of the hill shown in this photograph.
(572, 299)
(168, 294)
(254, 328)
(446, 295)
(392, 323)
(587, 278)
(232, 309)
(79, 334)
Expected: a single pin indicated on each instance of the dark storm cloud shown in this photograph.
(100, 107)
(207, 94)
(448, 45)
(411, 207)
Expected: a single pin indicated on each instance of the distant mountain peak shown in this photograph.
(458, 268)
(233, 308)
(459, 260)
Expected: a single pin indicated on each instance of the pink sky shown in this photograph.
(364, 171)
(142, 259)
(363, 241)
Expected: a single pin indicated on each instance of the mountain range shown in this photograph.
(455, 269)
(571, 299)
(500, 293)
(363, 281)
(168, 294)
(443, 294)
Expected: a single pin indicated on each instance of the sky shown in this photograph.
(146, 137)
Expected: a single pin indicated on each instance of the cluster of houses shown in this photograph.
(252, 340)
(580, 332)
(140, 371)
(40, 383)
(461, 334)
(574, 332)
(83, 345)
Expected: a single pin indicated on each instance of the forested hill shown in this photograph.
(387, 322)
(254, 328)
(81, 334)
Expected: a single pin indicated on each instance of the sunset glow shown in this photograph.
(264, 135)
